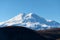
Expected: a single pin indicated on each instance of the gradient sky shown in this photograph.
(48, 9)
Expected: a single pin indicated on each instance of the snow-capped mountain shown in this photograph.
(31, 21)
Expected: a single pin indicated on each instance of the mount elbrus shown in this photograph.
(31, 21)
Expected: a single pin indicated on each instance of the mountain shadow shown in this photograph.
(51, 33)
(19, 33)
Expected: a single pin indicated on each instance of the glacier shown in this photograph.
(32, 21)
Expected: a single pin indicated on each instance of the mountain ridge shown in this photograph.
(31, 21)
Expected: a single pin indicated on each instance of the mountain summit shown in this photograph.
(31, 21)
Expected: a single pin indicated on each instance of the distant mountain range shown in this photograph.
(31, 21)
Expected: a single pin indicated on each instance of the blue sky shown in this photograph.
(49, 9)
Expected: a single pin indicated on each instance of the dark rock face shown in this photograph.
(19, 33)
(53, 33)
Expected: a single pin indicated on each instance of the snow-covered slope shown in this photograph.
(31, 21)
